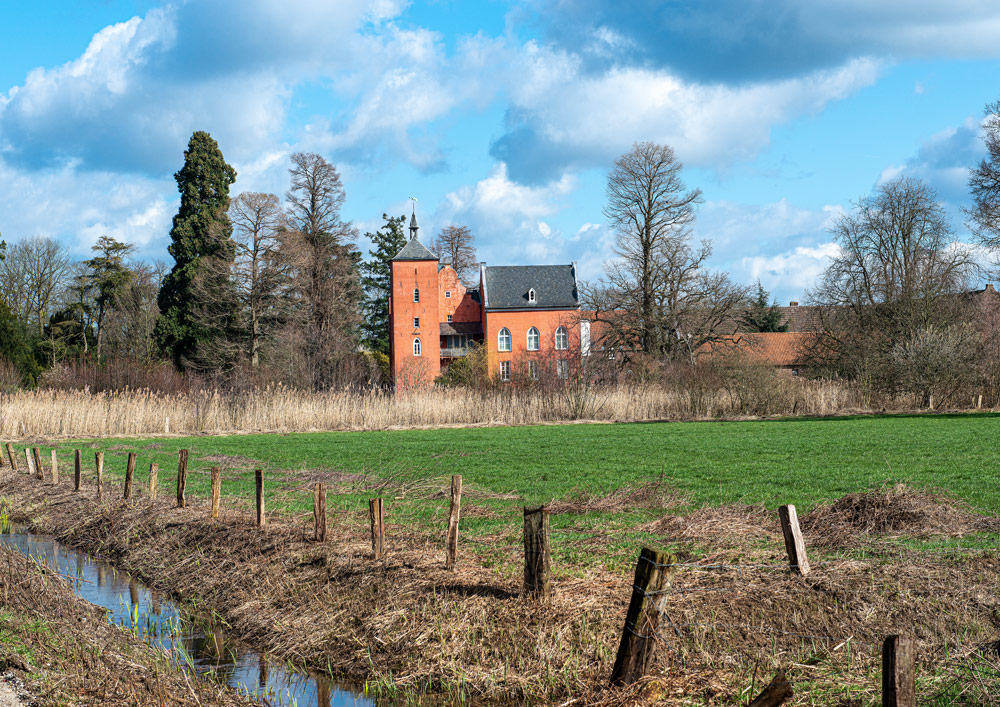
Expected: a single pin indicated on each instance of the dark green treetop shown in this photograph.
(762, 317)
(108, 276)
(388, 240)
(198, 303)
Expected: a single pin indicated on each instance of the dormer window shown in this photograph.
(531, 295)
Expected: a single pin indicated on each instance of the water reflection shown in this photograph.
(195, 645)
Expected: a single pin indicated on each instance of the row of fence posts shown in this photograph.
(654, 570)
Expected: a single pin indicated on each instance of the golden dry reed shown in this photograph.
(52, 413)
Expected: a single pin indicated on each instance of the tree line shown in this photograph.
(260, 290)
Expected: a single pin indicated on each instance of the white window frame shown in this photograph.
(533, 369)
(533, 333)
(416, 294)
(531, 295)
(505, 371)
(562, 339)
(447, 294)
(504, 340)
(416, 322)
(417, 347)
(449, 317)
(562, 368)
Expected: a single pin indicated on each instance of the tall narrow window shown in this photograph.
(505, 370)
(562, 339)
(534, 340)
(533, 370)
(416, 294)
(450, 317)
(503, 340)
(562, 369)
(416, 347)
(531, 295)
(416, 322)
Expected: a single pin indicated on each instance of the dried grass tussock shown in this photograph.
(406, 623)
(54, 413)
(68, 654)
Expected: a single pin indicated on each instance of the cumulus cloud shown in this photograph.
(563, 117)
(733, 41)
(792, 272)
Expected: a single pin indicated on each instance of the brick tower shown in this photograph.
(414, 327)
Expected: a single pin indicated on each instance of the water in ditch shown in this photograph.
(193, 644)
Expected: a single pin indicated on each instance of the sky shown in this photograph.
(504, 116)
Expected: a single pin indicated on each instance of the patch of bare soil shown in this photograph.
(731, 618)
(650, 496)
(892, 511)
(60, 650)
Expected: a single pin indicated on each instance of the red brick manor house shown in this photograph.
(528, 317)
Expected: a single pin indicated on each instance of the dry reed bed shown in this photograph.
(55, 413)
(79, 658)
(407, 623)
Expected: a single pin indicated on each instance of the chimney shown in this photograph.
(989, 287)
(793, 304)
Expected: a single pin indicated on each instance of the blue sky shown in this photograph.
(504, 116)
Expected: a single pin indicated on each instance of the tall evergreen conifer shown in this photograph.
(199, 309)
(761, 317)
(388, 240)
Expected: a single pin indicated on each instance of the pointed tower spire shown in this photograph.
(413, 220)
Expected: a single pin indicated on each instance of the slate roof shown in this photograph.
(415, 250)
(455, 328)
(506, 287)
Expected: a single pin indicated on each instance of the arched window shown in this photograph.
(534, 340)
(416, 347)
(562, 339)
(416, 294)
(503, 340)
(531, 295)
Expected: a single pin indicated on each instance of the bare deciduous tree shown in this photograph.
(259, 273)
(984, 183)
(33, 276)
(657, 295)
(456, 247)
(318, 250)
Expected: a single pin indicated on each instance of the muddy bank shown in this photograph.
(63, 651)
(407, 624)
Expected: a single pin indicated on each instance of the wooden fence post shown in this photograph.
(216, 490)
(2, 462)
(377, 517)
(55, 468)
(37, 458)
(319, 512)
(154, 470)
(11, 457)
(77, 469)
(453, 514)
(30, 464)
(653, 573)
(182, 472)
(898, 689)
(129, 475)
(99, 462)
(979, 402)
(259, 478)
(794, 545)
(537, 562)
(775, 693)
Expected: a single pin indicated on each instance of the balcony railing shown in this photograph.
(455, 353)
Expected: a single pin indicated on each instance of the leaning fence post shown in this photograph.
(55, 468)
(653, 573)
(129, 475)
(38, 463)
(794, 545)
(77, 469)
(377, 517)
(216, 490)
(453, 514)
(10, 455)
(536, 552)
(319, 512)
(182, 472)
(99, 462)
(154, 470)
(259, 479)
(898, 689)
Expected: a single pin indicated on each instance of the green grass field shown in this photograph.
(801, 461)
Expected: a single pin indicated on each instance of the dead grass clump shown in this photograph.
(895, 510)
(654, 495)
(732, 524)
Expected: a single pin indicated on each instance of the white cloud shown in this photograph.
(791, 272)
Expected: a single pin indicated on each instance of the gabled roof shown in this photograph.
(415, 250)
(506, 287)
